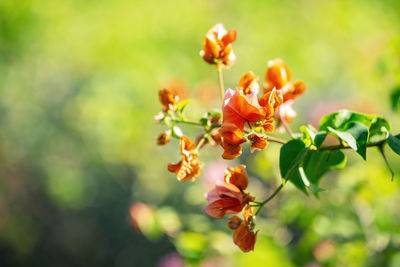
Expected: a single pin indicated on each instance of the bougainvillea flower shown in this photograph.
(240, 111)
(245, 238)
(167, 99)
(217, 45)
(190, 166)
(278, 76)
(237, 176)
(228, 196)
(258, 141)
(248, 83)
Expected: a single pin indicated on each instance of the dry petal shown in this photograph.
(234, 222)
(237, 176)
(244, 238)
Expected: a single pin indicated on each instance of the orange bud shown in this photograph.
(237, 176)
(164, 138)
(244, 238)
(234, 222)
(167, 99)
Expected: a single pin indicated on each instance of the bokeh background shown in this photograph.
(83, 182)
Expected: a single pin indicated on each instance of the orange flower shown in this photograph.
(164, 138)
(248, 83)
(248, 214)
(217, 45)
(167, 99)
(278, 76)
(245, 238)
(239, 111)
(228, 196)
(258, 141)
(189, 167)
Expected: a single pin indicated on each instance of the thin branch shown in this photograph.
(276, 140)
(221, 83)
(285, 124)
(343, 146)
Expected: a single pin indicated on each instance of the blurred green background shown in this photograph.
(79, 166)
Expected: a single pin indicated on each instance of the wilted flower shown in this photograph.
(228, 196)
(245, 238)
(189, 167)
(234, 222)
(217, 45)
(258, 141)
(164, 138)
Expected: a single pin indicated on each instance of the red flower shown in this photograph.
(217, 45)
(228, 196)
(189, 167)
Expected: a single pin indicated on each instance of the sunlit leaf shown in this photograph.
(339, 120)
(180, 107)
(313, 188)
(355, 135)
(379, 129)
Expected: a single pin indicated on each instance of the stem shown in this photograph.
(343, 146)
(221, 83)
(285, 124)
(188, 122)
(276, 140)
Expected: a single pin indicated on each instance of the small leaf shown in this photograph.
(205, 122)
(379, 129)
(394, 143)
(176, 132)
(291, 154)
(180, 107)
(355, 135)
(310, 134)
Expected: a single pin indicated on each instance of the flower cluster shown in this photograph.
(217, 46)
(246, 117)
(228, 197)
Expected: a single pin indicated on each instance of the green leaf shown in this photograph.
(379, 129)
(355, 135)
(310, 135)
(316, 164)
(313, 188)
(394, 143)
(291, 154)
(339, 120)
(395, 99)
(180, 107)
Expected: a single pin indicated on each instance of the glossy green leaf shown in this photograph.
(311, 136)
(291, 154)
(316, 164)
(313, 188)
(379, 129)
(394, 143)
(339, 120)
(355, 135)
